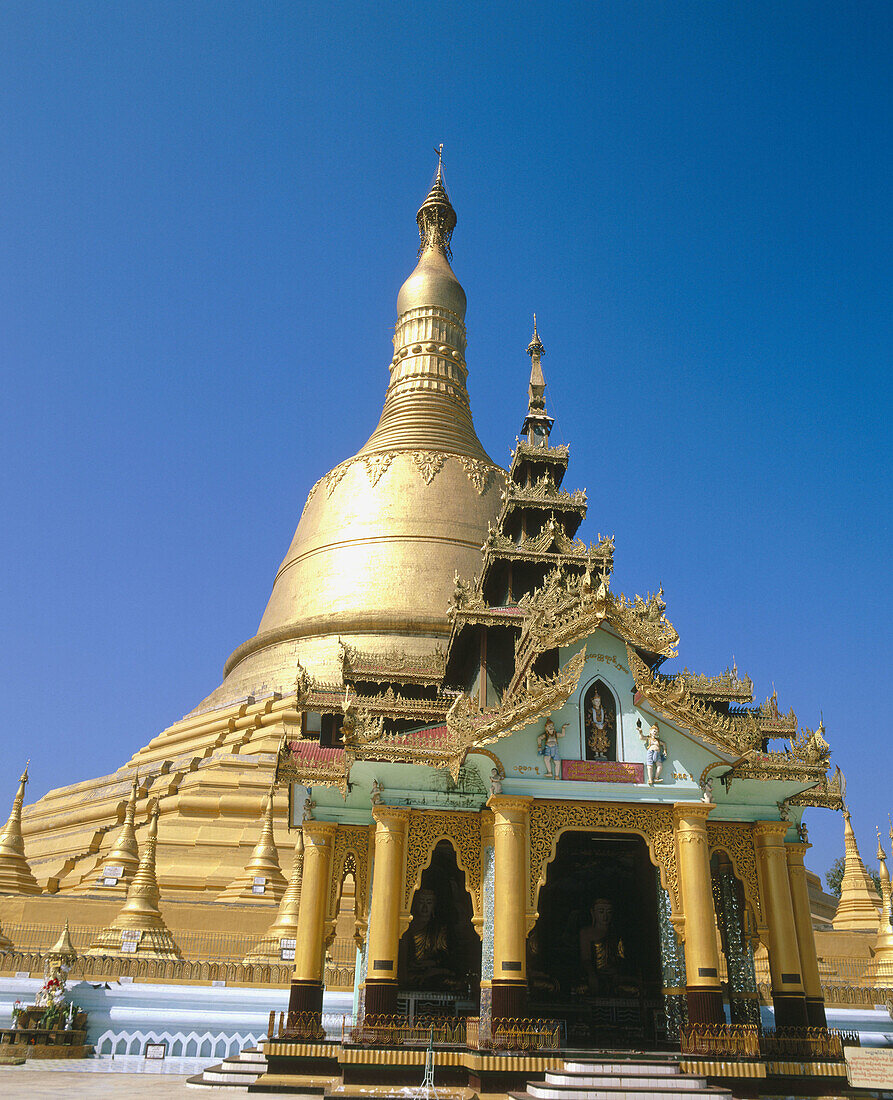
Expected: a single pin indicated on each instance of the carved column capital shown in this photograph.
(796, 853)
(319, 834)
(392, 818)
(693, 814)
(509, 807)
(770, 833)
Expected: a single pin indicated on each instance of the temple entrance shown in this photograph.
(439, 960)
(593, 957)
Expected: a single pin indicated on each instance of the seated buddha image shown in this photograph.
(603, 956)
(426, 958)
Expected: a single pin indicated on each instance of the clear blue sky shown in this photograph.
(207, 210)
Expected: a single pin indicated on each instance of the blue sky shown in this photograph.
(207, 210)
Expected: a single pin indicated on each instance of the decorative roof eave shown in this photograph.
(467, 726)
(307, 764)
(565, 610)
(770, 720)
(532, 452)
(559, 500)
(828, 794)
(777, 765)
(393, 666)
(727, 687)
(672, 698)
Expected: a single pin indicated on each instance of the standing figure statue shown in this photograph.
(655, 752)
(309, 805)
(496, 778)
(376, 792)
(598, 720)
(547, 747)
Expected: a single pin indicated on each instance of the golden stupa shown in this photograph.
(371, 566)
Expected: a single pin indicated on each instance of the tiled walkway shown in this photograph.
(102, 1078)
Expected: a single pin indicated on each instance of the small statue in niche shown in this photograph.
(598, 738)
(707, 788)
(803, 833)
(309, 805)
(376, 792)
(496, 778)
(600, 723)
(547, 747)
(655, 752)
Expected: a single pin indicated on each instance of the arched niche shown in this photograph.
(599, 721)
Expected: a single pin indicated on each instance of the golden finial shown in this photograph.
(881, 854)
(436, 217)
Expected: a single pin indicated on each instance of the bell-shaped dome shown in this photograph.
(383, 534)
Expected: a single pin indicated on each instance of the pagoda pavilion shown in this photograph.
(450, 699)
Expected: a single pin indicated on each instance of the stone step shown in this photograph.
(199, 1082)
(669, 1090)
(639, 1080)
(622, 1065)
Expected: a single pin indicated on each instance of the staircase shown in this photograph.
(232, 1073)
(619, 1079)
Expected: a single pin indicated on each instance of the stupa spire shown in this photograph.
(140, 925)
(426, 405)
(858, 908)
(285, 926)
(262, 880)
(15, 874)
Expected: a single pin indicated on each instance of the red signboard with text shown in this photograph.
(603, 771)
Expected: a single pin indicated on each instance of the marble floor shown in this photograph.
(103, 1078)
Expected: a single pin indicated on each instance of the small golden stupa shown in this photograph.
(285, 926)
(262, 880)
(139, 928)
(15, 873)
(859, 907)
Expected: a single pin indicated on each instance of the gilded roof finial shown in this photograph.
(536, 351)
(436, 217)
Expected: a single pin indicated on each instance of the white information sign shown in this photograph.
(218, 985)
(869, 1067)
(114, 871)
(287, 950)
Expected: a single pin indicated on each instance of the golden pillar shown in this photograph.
(509, 988)
(310, 948)
(702, 989)
(784, 951)
(809, 963)
(380, 987)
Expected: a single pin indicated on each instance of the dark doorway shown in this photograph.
(440, 953)
(593, 957)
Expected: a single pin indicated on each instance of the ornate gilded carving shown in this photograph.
(352, 842)
(827, 793)
(725, 687)
(377, 465)
(735, 838)
(811, 747)
(479, 473)
(429, 464)
(393, 666)
(463, 830)
(654, 823)
(672, 697)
